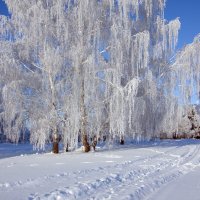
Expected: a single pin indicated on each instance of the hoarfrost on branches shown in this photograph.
(85, 69)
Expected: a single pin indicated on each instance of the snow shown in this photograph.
(156, 170)
(187, 187)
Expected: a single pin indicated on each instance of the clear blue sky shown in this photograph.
(187, 10)
(3, 9)
(189, 13)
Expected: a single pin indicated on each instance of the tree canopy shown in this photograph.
(93, 68)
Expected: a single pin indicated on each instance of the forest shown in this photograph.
(83, 71)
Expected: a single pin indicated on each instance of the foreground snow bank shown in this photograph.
(156, 170)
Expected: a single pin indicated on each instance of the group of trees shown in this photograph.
(189, 126)
(93, 68)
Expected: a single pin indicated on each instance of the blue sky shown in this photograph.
(187, 10)
(189, 13)
(3, 9)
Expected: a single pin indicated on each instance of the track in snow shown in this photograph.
(136, 173)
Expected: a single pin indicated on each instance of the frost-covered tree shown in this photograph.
(185, 77)
(14, 80)
(87, 69)
(57, 41)
(189, 124)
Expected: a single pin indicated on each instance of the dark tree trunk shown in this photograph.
(55, 144)
(85, 143)
(174, 136)
(122, 140)
(55, 147)
(94, 142)
(67, 148)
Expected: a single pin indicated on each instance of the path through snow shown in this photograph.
(151, 171)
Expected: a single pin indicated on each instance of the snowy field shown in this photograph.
(159, 170)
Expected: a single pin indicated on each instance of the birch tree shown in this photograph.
(94, 68)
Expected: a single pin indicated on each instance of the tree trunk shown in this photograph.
(85, 143)
(55, 132)
(67, 148)
(122, 140)
(94, 142)
(55, 148)
(55, 144)
(84, 120)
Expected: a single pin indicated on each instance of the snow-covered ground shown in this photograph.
(159, 170)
